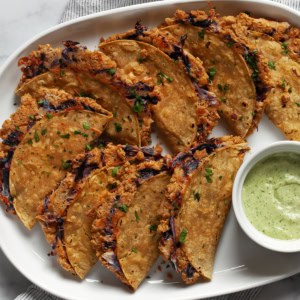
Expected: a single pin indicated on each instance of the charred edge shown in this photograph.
(46, 204)
(13, 139)
(140, 92)
(46, 105)
(251, 58)
(173, 257)
(206, 95)
(189, 271)
(5, 189)
(190, 165)
(59, 235)
(84, 170)
(149, 152)
(110, 239)
(139, 31)
(68, 53)
(181, 157)
(178, 53)
(35, 66)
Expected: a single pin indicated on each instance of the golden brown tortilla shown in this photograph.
(127, 131)
(67, 216)
(124, 234)
(277, 43)
(42, 157)
(241, 88)
(200, 197)
(141, 62)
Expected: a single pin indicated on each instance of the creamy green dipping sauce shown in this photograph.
(271, 196)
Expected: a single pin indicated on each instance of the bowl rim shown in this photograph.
(257, 236)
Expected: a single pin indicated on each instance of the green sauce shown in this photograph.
(271, 196)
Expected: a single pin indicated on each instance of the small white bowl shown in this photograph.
(248, 228)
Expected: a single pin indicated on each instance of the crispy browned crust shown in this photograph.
(278, 43)
(105, 227)
(257, 65)
(185, 166)
(53, 213)
(31, 111)
(95, 65)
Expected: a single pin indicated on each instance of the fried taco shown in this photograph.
(237, 74)
(91, 73)
(142, 62)
(67, 214)
(39, 140)
(125, 233)
(199, 197)
(278, 43)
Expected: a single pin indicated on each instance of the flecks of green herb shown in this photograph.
(208, 174)
(40, 102)
(65, 164)
(141, 59)
(123, 208)
(29, 142)
(89, 147)
(44, 131)
(251, 60)
(230, 43)
(65, 136)
(196, 196)
(48, 116)
(161, 77)
(62, 73)
(133, 249)
(223, 88)
(111, 71)
(86, 126)
(31, 118)
(118, 127)
(36, 137)
(290, 89)
(182, 236)
(137, 218)
(100, 145)
(284, 47)
(138, 106)
(201, 34)
(271, 65)
(298, 104)
(153, 227)
(114, 171)
(220, 177)
(112, 186)
(76, 132)
(212, 73)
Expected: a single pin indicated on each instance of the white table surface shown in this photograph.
(19, 21)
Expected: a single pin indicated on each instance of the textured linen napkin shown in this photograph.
(79, 8)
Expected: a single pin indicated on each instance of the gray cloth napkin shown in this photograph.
(79, 8)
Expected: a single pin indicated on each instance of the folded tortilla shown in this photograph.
(199, 197)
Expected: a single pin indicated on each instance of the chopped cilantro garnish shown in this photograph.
(161, 77)
(196, 196)
(36, 137)
(65, 136)
(230, 44)
(251, 60)
(31, 118)
(77, 132)
(48, 116)
(66, 164)
(118, 127)
(298, 104)
(123, 207)
(29, 142)
(62, 73)
(133, 249)
(138, 106)
(212, 73)
(208, 174)
(86, 126)
(283, 83)
(44, 131)
(112, 186)
(137, 218)
(153, 227)
(89, 147)
(100, 145)
(114, 171)
(271, 65)
(182, 235)
(201, 34)
(285, 49)
(220, 177)
(290, 89)
(111, 71)
(223, 88)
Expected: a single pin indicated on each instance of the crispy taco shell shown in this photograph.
(199, 197)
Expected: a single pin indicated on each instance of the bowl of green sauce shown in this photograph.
(266, 197)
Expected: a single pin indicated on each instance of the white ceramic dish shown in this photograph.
(248, 228)
(240, 263)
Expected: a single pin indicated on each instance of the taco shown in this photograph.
(142, 62)
(125, 233)
(40, 139)
(68, 213)
(90, 73)
(199, 197)
(278, 43)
